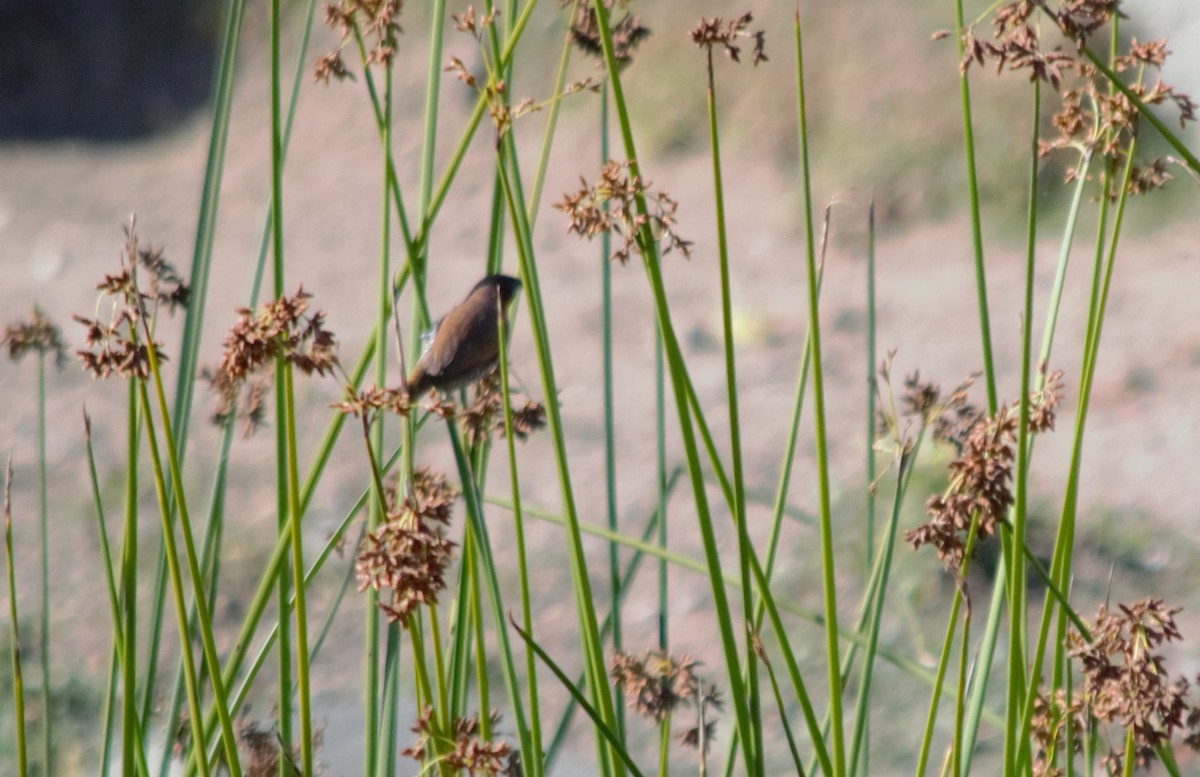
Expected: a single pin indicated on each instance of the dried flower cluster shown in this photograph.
(474, 25)
(461, 749)
(627, 33)
(658, 683)
(375, 20)
(948, 417)
(367, 402)
(1092, 116)
(486, 413)
(115, 345)
(502, 112)
(166, 286)
(409, 553)
(980, 476)
(1048, 730)
(710, 33)
(611, 205)
(35, 334)
(263, 749)
(495, 92)
(281, 329)
(1124, 681)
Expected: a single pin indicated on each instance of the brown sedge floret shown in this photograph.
(610, 205)
(280, 329)
(658, 683)
(409, 553)
(36, 334)
(376, 21)
(463, 748)
(1126, 683)
(628, 33)
(493, 89)
(116, 345)
(981, 475)
(710, 33)
(1090, 118)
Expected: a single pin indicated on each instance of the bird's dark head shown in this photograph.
(506, 285)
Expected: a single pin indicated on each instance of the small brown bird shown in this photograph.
(465, 344)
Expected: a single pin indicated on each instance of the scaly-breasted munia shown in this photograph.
(465, 343)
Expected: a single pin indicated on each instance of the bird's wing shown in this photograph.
(475, 348)
(427, 338)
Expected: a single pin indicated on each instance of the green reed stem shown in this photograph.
(675, 363)
(779, 503)
(176, 579)
(797, 762)
(299, 604)
(614, 742)
(593, 649)
(872, 385)
(482, 686)
(133, 752)
(664, 744)
(282, 398)
(879, 586)
(1018, 626)
(661, 491)
(206, 226)
(203, 612)
(535, 767)
(635, 562)
(610, 444)
(14, 631)
(478, 528)
(461, 631)
(108, 712)
(964, 88)
(432, 93)
(947, 646)
(818, 385)
(44, 614)
(1064, 255)
(201, 266)
(373, 744)
(560, 80)
(735, 434)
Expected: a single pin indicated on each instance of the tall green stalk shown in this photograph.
(176, 579)
(818, 385)
(375, 513)
(44, 615)
(985, 327)
(735, 433)
(674, 360)
(1017, 647)
(14, 633)
(592, 646)
(535, 767)
(133, 751)
(610, 445)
